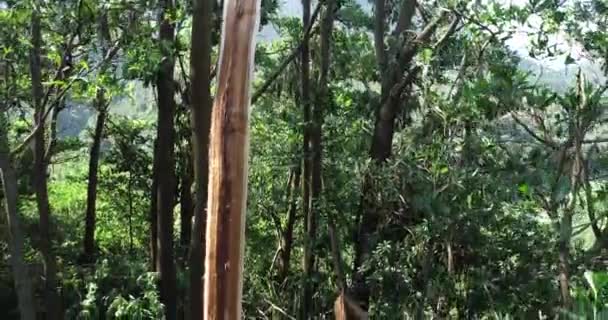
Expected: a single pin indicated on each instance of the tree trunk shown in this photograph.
(564, 273)
(345, 308)
(186, 203)
(166, 162)
(153, 214)
(228, 162)
(90, 218)
(287, 238)
(309, 212)
(39, 178)
(394, 81)
(16, 240)
(324, 98)
(101, 105)
(52, 144)
(200, 68)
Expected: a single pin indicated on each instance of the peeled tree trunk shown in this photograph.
(200, 68)
(166, 162)
(225, 238)
(39, 178)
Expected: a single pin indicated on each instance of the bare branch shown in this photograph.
(533, 134)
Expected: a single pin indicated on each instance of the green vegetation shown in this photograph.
(427, 159)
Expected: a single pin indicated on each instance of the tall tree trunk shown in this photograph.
(39, 178)
(16, 240)
(309, 212)
(153, 214)
(200, 68)
(101, 106)
(229, 144)
(186, 203)
(324, 99)
(90, 218)
(166, 163)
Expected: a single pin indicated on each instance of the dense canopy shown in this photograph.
(406, 159)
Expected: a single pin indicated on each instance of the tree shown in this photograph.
(23, 284)
(200, 69)
(39, 174)
(396, 74)
(101, 105)
(166, 161)
(229, 143)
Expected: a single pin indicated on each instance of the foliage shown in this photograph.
(496, 174)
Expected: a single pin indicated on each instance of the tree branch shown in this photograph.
(111, 53)
(531, 132)
(294, 53)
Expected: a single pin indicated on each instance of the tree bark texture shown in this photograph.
(200, 68)
(345, 308)
(166, 162)
(39, 177)
(228, 162)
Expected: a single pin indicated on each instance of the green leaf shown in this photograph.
(524, 188)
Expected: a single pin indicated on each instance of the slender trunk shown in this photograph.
(229, 144)
(309, 213)
(325, 99)
(563, 250)
(153, 212)
(130, 214)
(16, 239)
(90, 218)
(52, 144)
(200, 68)
(101, 105)
(287, 238)
(186, 203)
(564, 272)
(166, 163)
(39, 178)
